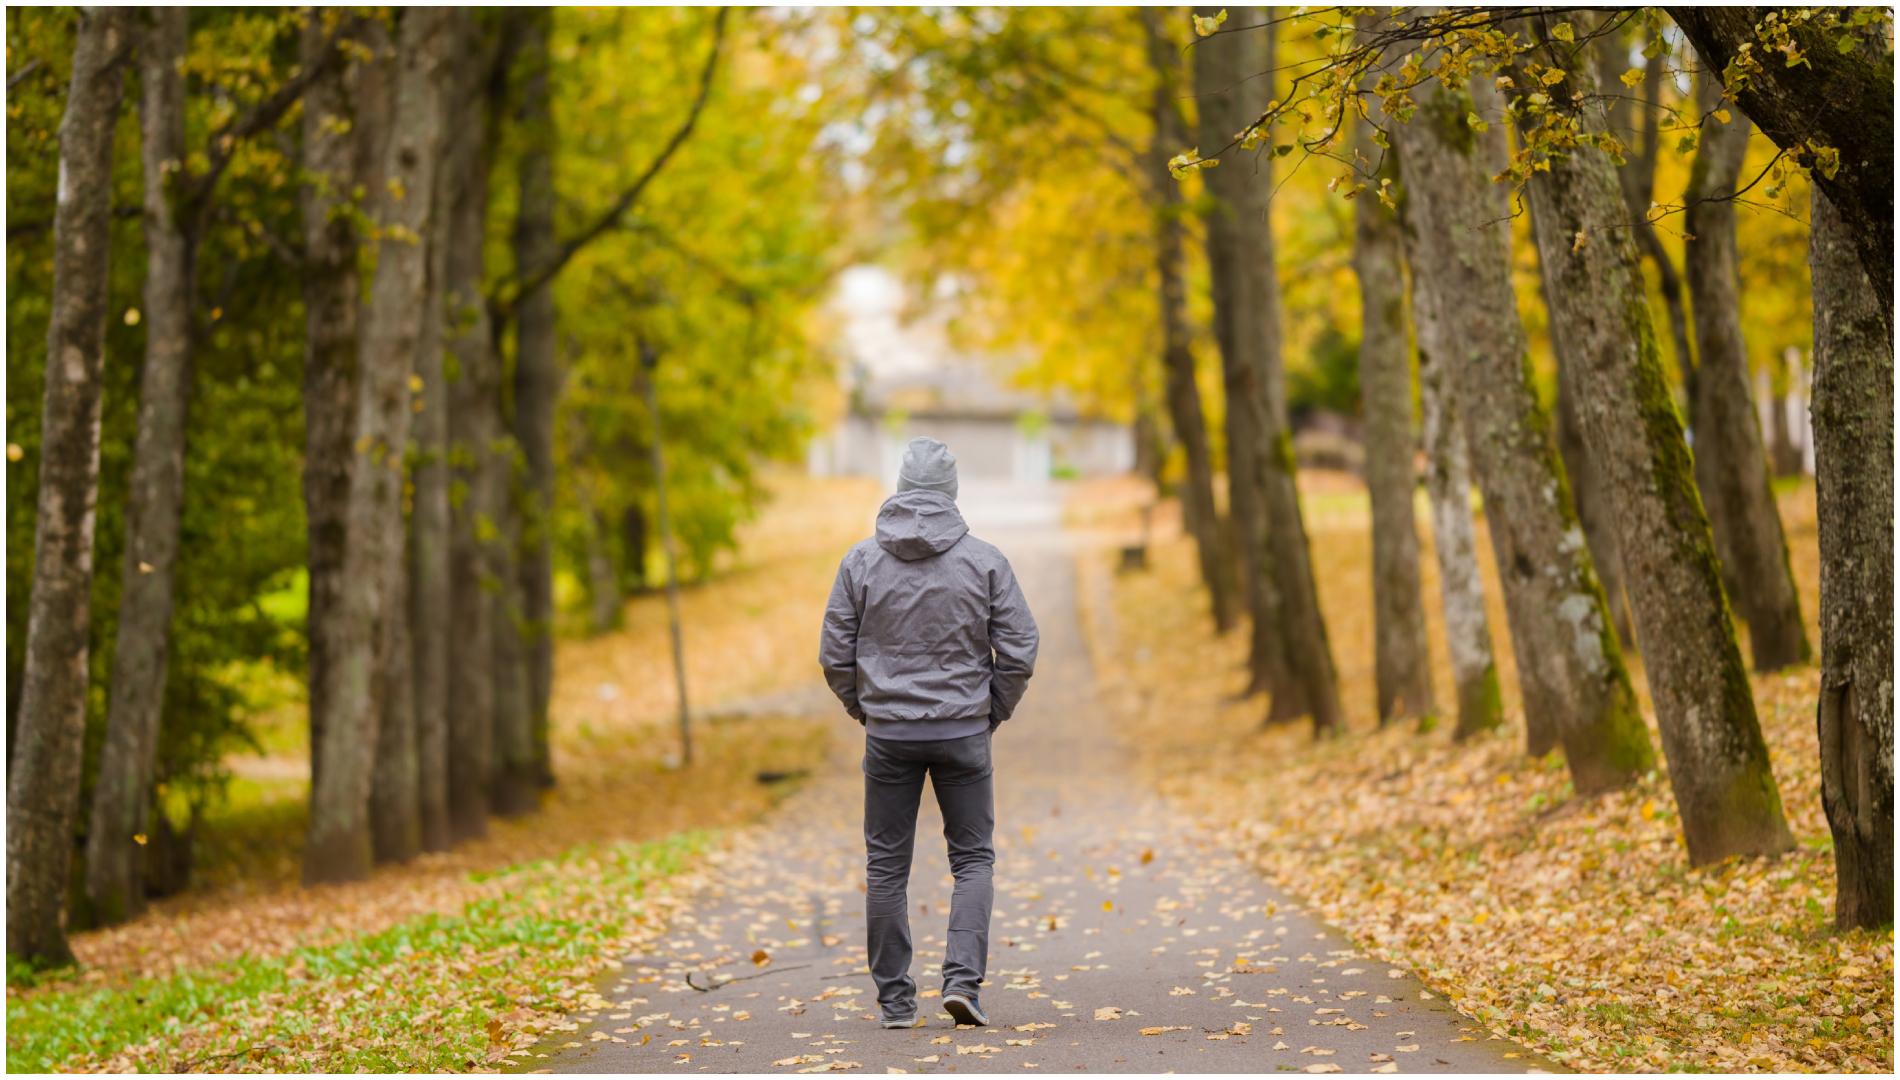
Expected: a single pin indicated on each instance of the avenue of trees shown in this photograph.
(340, 312)
(1454, 135)
(325, 326)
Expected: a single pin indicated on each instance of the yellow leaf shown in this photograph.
(1563, 32)
(131, 316)
(1631, 78)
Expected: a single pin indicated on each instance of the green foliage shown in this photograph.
(242, 529)
(1329, 379)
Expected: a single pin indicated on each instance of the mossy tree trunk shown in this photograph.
(49, 737)
(1569, 662)
(122, 795)
(1177, 356)
(358, 689)
(474, 428)
(434, 637)
(1731, 467)
(1718, 761)
(537, 367)
(1401, 661)
(1853, 434)
(1596, 512)
(1642, 137)
(1841, 100)
(1230, 95)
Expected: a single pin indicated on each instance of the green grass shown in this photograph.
(415, 997)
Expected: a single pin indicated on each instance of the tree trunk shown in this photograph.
(433, 632)
(514, 779)
(1718, 762)
(1454, 540)
(1246, 319)
(1177, 357)
(1569, 663)
(603, 584)
(537, 371)
(1731, 467)
(343, 115)
(49, 736)
(633, 540)
(396, 781)
(1638, 180)
(1853, 434)
(339, 846)
(1834, 99)
(122, 796)
(474, 427)
(1595, 511)
(1402, 663)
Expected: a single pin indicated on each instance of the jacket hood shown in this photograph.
(917, 524)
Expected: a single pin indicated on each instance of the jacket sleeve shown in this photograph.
(1013, 638)
(838, 643)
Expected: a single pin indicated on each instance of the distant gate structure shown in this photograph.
(904, 380)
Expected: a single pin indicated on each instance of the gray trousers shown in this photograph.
(960, 773)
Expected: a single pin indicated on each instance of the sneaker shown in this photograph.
(898, 1021)
(963, 1010)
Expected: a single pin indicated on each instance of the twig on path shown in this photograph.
(846, 974)
(737, 978)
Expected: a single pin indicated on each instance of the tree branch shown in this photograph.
(509, 295)
(261, 117)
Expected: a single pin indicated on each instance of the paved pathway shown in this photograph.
(1124, 939)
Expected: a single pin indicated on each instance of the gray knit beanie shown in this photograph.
(928, 466)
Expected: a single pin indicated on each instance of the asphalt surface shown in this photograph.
(1125, 938)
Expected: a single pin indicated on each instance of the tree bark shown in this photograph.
(433, 632)
(514, 778)
(1402, 664)
(603, 583)
(1474, 671)
(1638, 180)
(1177, 357)
(1718, 761)
(537, 371)
(633, 540)
(1731, 466)
(474, 426)
(1595, 511)
(340, 153)
(339, 846)
(49, 735)
(122, 795)
(396, 779)
(1570, 665)
(1840, 100)
(1246, 320)
(1853, 433)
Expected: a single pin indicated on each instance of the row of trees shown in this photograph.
(1433, 95)
(1450, 128)
(357, 209)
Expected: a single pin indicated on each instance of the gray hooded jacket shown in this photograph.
(927, 635)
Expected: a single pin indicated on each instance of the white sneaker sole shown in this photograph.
(963, 1012)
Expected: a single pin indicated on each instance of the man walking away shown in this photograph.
(929, 644)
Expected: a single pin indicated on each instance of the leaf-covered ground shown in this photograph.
(454, 957)
(1574, 925)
